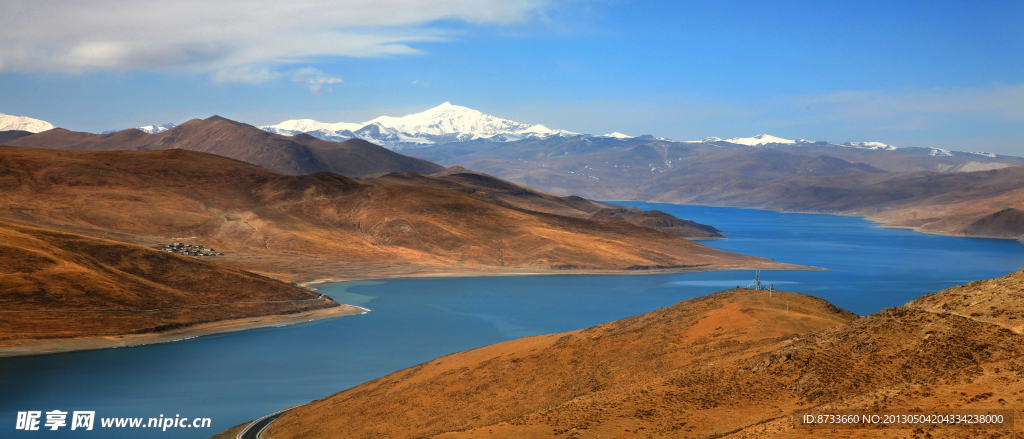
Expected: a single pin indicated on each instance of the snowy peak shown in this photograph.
(306, 125)
(870, 145)
(617, 135)
(153, 129)
(758, 140)
(149, 129)
(453, 119)
(23, 123)
(442, 124)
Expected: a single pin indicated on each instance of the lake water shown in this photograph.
(234, 378)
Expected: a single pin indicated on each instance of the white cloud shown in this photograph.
(191, 35)
(315, 79)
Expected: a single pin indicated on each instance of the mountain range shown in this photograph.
(448, 123)
(442, 124)
(953, 194)
(763, 171)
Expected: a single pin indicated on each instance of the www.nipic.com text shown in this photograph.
(85, 420)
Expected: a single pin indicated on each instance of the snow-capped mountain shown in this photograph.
(150, 129)
(153, 129)
(769, 141)
(23, 123)
(758, 140)
(444, 123)
(307, 125)
(448, 123)
(870, 145)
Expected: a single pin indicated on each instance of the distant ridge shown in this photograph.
(449, 123)
(298, 155)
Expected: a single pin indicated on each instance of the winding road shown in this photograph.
(253, 430)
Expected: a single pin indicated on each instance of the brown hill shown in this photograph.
(62, 285)
(501, 192)
(298, 155)
(961, 203)
(303, 227)
(734, 364)
(661, 221)
(637, 375)
(1008, 222)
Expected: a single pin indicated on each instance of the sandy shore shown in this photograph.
(52, 346)
(499, 273)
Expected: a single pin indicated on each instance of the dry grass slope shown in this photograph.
(733, 364)
(61, 285)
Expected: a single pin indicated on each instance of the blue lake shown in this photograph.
(234, 378)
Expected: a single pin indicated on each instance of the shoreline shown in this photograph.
(56, 346)
(879, 223)
(458, 274)
(883, 225)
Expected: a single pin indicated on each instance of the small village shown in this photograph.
(189, 249)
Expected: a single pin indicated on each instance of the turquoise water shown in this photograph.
(237, 377)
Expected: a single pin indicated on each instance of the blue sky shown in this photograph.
(941, 74)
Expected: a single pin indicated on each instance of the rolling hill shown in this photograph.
(319, 225)
(734, 364)
(504, 193)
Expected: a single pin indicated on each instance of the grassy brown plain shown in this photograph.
(734, 364)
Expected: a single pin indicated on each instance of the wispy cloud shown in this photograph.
(315, 80)
(914, 109)
(244, 75)
(226, 37)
